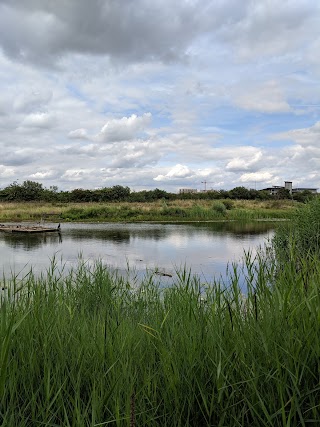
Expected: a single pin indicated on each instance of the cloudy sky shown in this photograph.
(161, 93)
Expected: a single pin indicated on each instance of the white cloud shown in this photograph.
(231, 89)
(78, 134)
(303, 136)
(32, 101)
(250, 159)
(38, 120)
(42, 175)
(178, 171)
(265, 98)
(256, 177)
(269, 28)
(116, 130)
(123, 129)
(77, 175)
(6, 172)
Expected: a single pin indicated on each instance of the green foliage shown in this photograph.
(174, 212)
(303, 196)
(301, 237)
(89, 348)
(150, 196)
(80, 195)
(228, 204)
(283, 193)
(27, 191)
(219, 207)
(240, 193)
(31, 191)
(119, 193)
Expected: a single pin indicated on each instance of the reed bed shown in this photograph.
(89, 348)
(161, 210)
(217, 211)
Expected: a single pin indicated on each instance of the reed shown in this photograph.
(89, 348)
(301, 236)
(176, 210)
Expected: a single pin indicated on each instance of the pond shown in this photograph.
(205, 248)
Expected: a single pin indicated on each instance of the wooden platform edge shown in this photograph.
(25, 229)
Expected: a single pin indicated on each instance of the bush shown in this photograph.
(219, 207)
(228, 204)
(172, 211)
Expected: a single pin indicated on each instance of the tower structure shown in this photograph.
(288, 186)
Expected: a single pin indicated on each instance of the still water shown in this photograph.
(206, 248)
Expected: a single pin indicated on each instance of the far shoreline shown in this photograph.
(179, 211)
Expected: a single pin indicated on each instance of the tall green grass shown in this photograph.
(90, 349)
(179, 210)
(259, 213)
(218, 211)
(300, 238)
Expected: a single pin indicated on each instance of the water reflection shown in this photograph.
(126, 232)
(31, 241)
(120, 233)
(205, 247)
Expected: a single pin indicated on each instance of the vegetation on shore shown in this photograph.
(91, 349)
(30, 201)
(161, 210)
(34, 191)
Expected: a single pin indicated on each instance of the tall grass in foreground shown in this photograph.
(88, 349)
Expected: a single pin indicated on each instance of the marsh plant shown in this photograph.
(219, 208)
(159, 210)
(300, 238)
(88, 348)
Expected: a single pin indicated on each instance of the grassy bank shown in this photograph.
(179, 210)
(89, 349)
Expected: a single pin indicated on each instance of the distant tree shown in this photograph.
(240, 193)
(188, 196)
(63, 196)
(159, 194)
(303, 196)
(113, 194)
(50, 194)
(28, 191)
(80, 195)
(224, 194)
(263, 195)
(120, 193)
(31, 190)
(209, 195)
(12, 192)
(283, 194)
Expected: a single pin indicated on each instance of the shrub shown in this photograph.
(219, 208)
(172, 211)
(228, 204)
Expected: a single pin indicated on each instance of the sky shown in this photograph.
(162, 94)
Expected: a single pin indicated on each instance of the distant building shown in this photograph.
(187, 190)
(288, 186)
(301, 190)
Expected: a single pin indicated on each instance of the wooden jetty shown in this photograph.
(27, 229)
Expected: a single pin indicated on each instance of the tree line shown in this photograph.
(30, 191)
